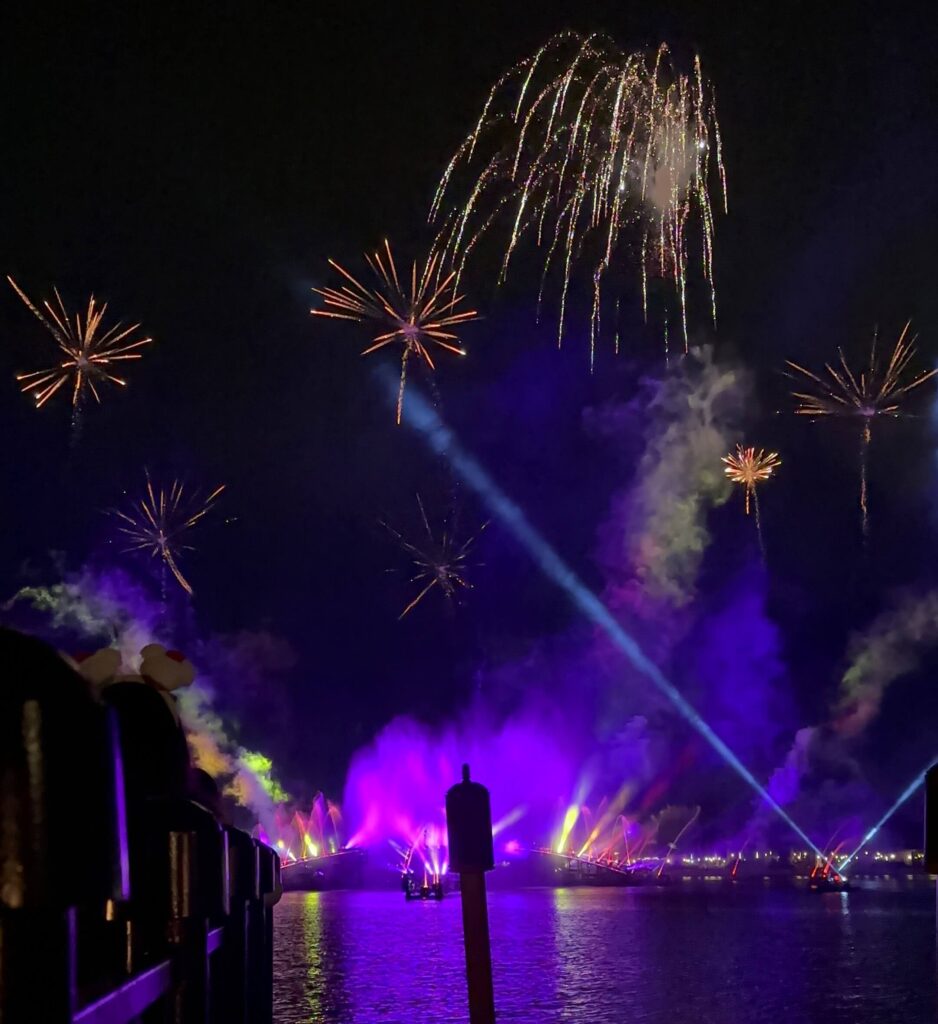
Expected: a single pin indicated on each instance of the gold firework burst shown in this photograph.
(440, 561)
(157, 521)
(418, 317)
(875, 390)
(749, 467)
(89, 351)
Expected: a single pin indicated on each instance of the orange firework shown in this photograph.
(876, 390)
(89, 352)
(749, 467)
(417, 318)
(156, 521)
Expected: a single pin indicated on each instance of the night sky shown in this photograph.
(195, 165)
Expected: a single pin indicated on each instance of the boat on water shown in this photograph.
(830, 882)
(431, 888)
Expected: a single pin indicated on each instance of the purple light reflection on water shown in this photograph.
(708, 954)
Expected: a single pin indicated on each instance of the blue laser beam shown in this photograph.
(422, 417)
(909, 791)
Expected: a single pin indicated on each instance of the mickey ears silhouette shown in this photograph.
(169, 670)
(166, 670)
(98, 668)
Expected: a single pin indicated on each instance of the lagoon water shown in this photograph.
(707, 953)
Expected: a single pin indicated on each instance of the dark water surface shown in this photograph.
(643, 956)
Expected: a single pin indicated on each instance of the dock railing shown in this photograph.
(123, 895)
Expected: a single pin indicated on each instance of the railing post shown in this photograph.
(179, 850)
(233, 993)
(58, 854)
(195, 943)
(187, 932)
(156, 764)
(194, 854)
(261, 936)
(256, 941)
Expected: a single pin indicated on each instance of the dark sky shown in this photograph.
(196, 164)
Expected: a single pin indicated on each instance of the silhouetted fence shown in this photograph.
(123, 896)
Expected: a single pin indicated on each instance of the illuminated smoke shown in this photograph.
(821, 778)
(423, 418)
(244, 775)
(654, 540)
(732, 667)
(396, 784)
(891, 647)
(107, 608)
(100, 607)
(785, 783)
(605, 742)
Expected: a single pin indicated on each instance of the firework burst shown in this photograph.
(417, 317)
(597, 154)
(89, 352)
(748, 467)
(439, 561)
(159, 519)
(877, 389)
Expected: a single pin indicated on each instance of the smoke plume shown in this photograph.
(653, 542)
(891, 647)
(108, 607)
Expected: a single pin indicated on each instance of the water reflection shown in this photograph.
(324, 950)
(711, 954)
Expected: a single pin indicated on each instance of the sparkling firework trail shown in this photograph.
(89, 352)
(418, 317)
(748, 467)
(439, 561)
(878, 389)
(157, 521)
(596, 153)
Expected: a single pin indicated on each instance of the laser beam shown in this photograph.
(423, 418)
(909, 791)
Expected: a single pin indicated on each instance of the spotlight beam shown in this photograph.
(423, 418)
(909, 791)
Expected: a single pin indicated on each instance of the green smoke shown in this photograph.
(892, 646)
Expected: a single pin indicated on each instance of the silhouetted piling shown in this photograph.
(471, 851)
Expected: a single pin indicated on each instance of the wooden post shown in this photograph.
(475, 924)
(469, 825)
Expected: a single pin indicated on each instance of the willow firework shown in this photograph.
(599, 155)
(749, 467)
(440, 561)
(418, 317)
(89, 351)
(157, 521)
(876, 389)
